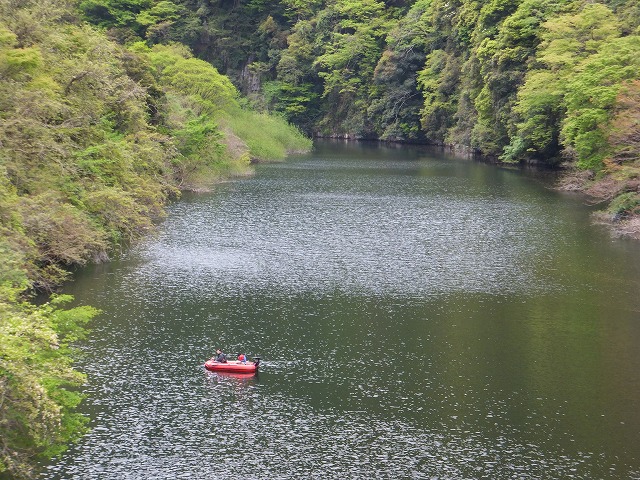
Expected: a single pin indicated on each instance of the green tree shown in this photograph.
(395, 101)
(592, 95)
(347, 64)
(567, 41)
(37, 418)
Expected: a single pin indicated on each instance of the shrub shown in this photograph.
(625, 204)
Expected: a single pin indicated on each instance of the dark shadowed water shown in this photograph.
(419, 317)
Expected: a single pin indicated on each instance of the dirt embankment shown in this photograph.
(619, 187)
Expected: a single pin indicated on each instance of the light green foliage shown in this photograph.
(540, 103)
(20, 62)
(355, 45)
(296, 102)
(295, 61)
(7, 37)
(200, 99)
(569, 97)
(118, 13)
(591, 96)
(414, 29)
(302, 8)
(491, 15)
(163, 11)
(201, 154)
(267, 137)
(133, 20)
(74, 126)
(36, 405)
(518, 34)
(181, 72)
(570, 38)
(439, 84)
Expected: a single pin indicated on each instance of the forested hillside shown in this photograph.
(522, 81)
(108, 108)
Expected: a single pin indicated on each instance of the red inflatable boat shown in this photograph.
(233, 366)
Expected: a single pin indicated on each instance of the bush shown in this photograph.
(36, 412)
(624, 205)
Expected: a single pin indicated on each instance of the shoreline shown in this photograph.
(603, 188)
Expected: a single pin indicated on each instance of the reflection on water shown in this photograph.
(232, 378)
(418, 317)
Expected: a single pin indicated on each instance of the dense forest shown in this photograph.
(535, 81)
(109, 108)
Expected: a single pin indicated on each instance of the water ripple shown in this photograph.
(417, 318)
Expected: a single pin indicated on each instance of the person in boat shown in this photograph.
(220, 357)
(242, 358)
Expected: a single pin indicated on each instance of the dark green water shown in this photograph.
(419, 317)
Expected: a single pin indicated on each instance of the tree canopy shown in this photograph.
(489, 76)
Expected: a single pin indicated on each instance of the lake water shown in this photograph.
(418, 316)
